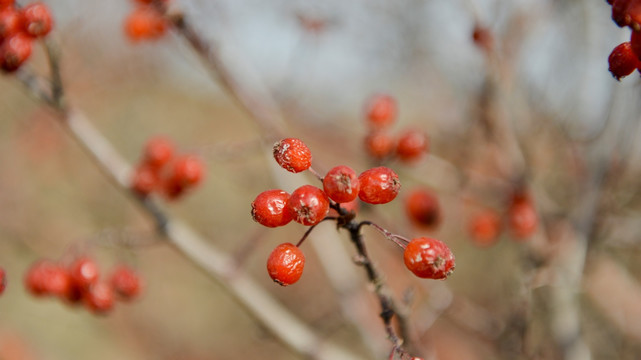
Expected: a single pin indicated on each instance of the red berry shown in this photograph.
(522, 219)
(429, 258)
(48, 278)
(411, 146)
(627, 13)
(484, 228)
(145, 23)
(423, 209)
(158, 152)
(14, 51)
(3, 280)
(84, 272)
(379, 185)
(285, 264)
(292, 155)
(99, 298)
(635, 45)
(379, 144)
(145, 180)
(187, 171)
(38, 21)
(623, 61)
(341, 184)
(268, 209)
(308, 205)
(381, 111)
(11, 22)
(125, 282)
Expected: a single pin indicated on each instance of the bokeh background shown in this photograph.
(321, 61)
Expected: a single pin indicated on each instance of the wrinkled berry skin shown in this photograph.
(429, 258)
(268, 209)
(423, 208)
(285, 264)
(341, 184)
(379, 185)
(622, 61)
(292, 155)
(308, 205)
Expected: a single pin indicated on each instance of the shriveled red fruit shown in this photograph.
(125, 282)
(145, 23)
(268, 209)
(145, 180)
(485, 228)
(48, 278)
(158, 152)
(429, 258)
(381, 111)
(38, 20)
(411, 145)
(292, 155)
(187, 170)
(522, 219)
(285, 264)
(623, 61)
(14, 51)
(379, 144)
(423, 208)
(84, 272)
(11, 22)
(3, 280)
(341, 184)
(379, 185)
(308, 205)
(99, 298)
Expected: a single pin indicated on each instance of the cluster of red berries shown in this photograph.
(308, 205)
(423, 208)
(520, 218)
(147, 21)
(18, 28)
(626, 57)
(380, 113)
(162, 170)
(3, 280)
(79, 283)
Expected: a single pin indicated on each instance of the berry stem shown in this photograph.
(315, 173)
(309, 231)
(399, 240)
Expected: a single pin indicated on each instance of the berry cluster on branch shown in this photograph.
(164, 171)
(309, 205)
(78, 282)
(626, 57)
(19, 27)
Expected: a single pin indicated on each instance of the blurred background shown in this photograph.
(537, 113)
